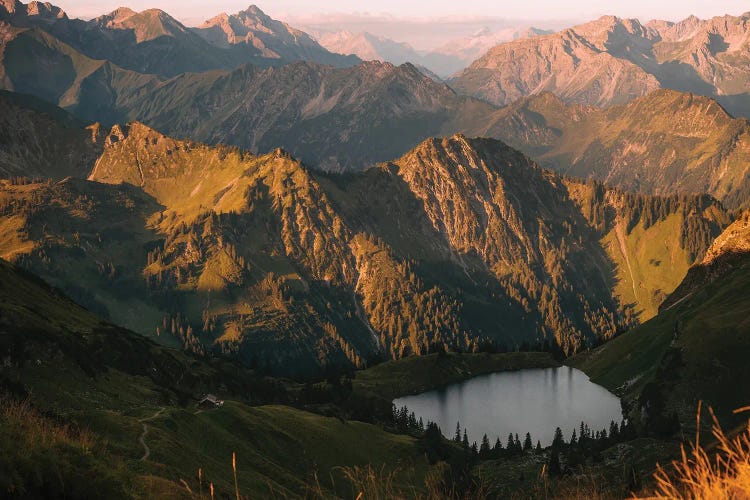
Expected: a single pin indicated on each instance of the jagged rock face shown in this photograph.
(611, 60)
(662, 143)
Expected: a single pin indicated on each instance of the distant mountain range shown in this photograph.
(153, 42)
(444, 61)
(612, 60)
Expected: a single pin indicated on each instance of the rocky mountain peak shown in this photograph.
(19, 12)
(146, 25)
(733, 241)
(120, 14)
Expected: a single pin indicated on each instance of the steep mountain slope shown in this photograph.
(612, 60)
(630, 225)
(38, 140)
(89, 409)
(35, 62)
(460, 242)
(333, 119)
(695, 349)
(662, 143)
(251, 31)
(574, 64)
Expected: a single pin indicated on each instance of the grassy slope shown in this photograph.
(713, 323)
(649, 271)
(80, 374)
(279, 449)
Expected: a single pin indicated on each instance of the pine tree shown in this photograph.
(558, 440)
(465, 440)
(457, 435)
(614, 431)
(511, 445)
(484, 448)
(498, 448)
(573, 438)
(527, 445)
(517, 444)
(538, 446)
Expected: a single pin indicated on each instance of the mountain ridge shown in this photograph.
(279, 266)
(663, 142)
(612, 61)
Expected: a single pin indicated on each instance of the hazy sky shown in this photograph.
(196, 10)
(422, 23)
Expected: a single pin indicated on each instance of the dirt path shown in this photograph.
(624, 251)
(142, 437)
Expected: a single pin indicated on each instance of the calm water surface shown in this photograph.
(535, 401)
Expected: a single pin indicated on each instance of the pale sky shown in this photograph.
(320, 13)
(528, 9)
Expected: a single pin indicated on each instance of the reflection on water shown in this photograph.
(535, 401)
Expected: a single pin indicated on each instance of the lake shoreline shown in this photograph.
(534, 400)
(417, 374)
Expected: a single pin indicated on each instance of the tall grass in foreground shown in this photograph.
(698, 475)
(39, 430)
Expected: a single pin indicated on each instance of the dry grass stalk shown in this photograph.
(234, 468)
(698, 475)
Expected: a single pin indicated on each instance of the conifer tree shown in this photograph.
(457, 435)
(484, 448)
(511, 445)
(527, 445)
(558, 440)
(498, 447)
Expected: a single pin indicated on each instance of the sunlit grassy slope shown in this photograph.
(713, 339)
